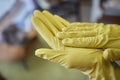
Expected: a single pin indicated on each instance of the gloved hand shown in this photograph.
(91, 35)
(89, 61)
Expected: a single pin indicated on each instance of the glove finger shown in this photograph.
(86, 42)
(56, 56)
(53, 20)
(63, 21)
(75, 28)
(85, 24)
(47, 23)
(82, 27)
(43, 31)
(76, 34)
(111, 54)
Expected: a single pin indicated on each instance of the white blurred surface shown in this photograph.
(96, 12)
(4, 9)
(118, 62)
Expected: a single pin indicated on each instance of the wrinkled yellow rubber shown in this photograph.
(112, 54)
(89, 61)
(91, 35)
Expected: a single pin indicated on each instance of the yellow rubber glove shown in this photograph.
(112, 54)
(89, 61)
(91, 35)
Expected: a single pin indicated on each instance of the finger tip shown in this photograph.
(37, 12)
(37, 53)
(59, 35)
(40, 53)
(45, 11)
(105, 54)
(66, 41)
(56, 15)
(64, 29)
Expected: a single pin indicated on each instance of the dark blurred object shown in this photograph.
(12, 35)
(16, 32)
(37, 5)
(111, 11)
(14, 44)
(101, 3)
(68, 9)
(109, 19)
(1, 77)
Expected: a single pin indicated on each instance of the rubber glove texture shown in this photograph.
(89, 61)
(112, 54)
(91, 35)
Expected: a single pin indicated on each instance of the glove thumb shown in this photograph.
(57, 56)
(111, 54)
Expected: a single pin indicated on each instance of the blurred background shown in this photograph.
(19, 40)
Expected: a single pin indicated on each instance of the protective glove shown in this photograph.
(91, 35)
(89, 61)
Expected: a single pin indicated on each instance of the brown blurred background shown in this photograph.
(19, 40)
